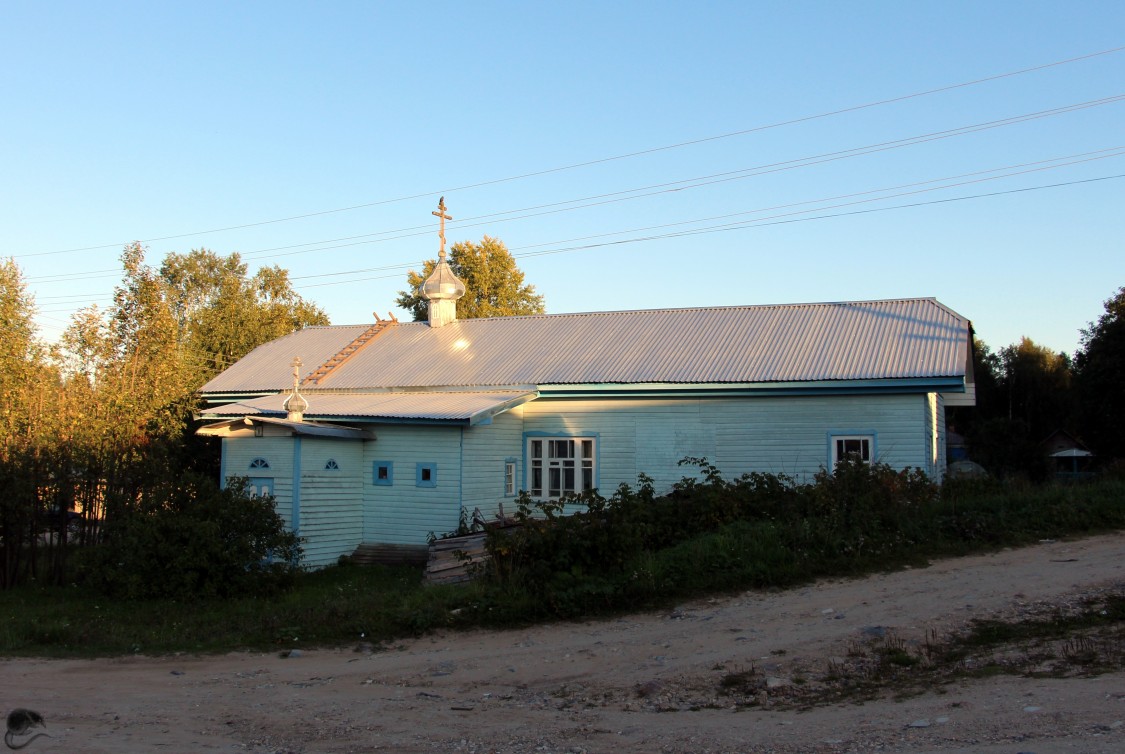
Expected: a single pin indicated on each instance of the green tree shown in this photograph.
(20, 354)
(223, 314)
(20, 360)
(1100, 387)
(494, 285)
(1023, 394)
(1036, 384)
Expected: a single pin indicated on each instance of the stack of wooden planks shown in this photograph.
(451, 560)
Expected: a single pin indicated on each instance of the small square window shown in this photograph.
(856, 447)
(384, 473)
(426, 475)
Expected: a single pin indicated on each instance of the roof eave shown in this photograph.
(306, 428)
(951, 384)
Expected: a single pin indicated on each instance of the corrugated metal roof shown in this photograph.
(907, 338)
(436, 406)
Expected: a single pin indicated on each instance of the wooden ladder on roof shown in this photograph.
(351, 349)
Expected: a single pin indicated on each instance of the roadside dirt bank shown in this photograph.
(643, 683)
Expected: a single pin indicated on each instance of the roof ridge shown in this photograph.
(619, 312)
(728, 307)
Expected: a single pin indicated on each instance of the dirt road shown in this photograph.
(645, 683)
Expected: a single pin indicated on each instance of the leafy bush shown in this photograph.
(710, 533)
(194, 540)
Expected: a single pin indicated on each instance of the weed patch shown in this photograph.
(1083, 642)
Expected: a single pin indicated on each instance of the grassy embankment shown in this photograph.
(633, 551)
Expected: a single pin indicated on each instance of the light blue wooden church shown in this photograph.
(377, 435)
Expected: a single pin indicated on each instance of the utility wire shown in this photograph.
(1029, 167)
(628, 155)
(633, 193)
(1020, 168)
(761, 223)
(675, 186)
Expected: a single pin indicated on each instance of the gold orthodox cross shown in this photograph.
(441, 233)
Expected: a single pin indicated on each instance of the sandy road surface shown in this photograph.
(645, 683)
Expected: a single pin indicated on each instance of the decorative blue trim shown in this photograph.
(390, 478)
(331, 465)
(297, 484)
(259, 463)
(425, 475)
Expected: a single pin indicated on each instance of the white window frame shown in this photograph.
(841, 440)
(561, 465)
(510, 478)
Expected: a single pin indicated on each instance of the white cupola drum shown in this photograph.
(442, 288)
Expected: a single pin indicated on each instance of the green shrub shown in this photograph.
(194, 540)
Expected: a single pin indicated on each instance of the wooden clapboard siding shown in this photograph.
(738, 435)
(791, 435)
(404, 513)
(341, 509)
(278, 451)
(331, 499)
(486, 449)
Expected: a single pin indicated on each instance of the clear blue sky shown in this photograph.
(122, 121)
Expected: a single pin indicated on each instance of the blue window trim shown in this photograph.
(864, 432)
(515, 476)
(418, 472)
(576, 433)
(390, 480)
(331, 465)
(259, 463)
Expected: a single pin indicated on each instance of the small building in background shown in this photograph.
(1069, 456)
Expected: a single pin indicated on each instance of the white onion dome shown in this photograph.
(442, 284)
(296, 404)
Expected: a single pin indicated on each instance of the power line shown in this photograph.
(1028, 167)
(681, 185)
(1019, 168)
(628, 155)
(763, 223)
(637, 192)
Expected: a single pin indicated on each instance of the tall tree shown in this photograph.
(1100, 386)
(224, 314)
(1036, 383)
(20, 351)
(1023, 394)
(494, 285)
(17, 364)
